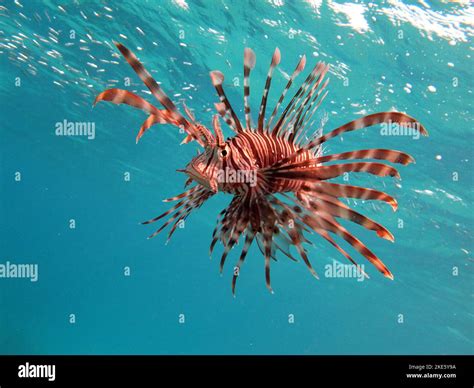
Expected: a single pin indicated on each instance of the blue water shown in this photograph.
(414, 57)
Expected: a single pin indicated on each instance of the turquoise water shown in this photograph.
(414, 57)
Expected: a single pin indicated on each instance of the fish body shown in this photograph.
(274, 170)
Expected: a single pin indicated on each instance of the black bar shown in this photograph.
(321, 371)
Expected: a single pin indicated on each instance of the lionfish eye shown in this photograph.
(224, 152)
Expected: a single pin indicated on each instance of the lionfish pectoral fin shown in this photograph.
(332, 225)
(363, 122)
(316, 174)
(261, 247)
(328, 238)
(334, 207)
(391, 156)
(347, 191)
(368, 121)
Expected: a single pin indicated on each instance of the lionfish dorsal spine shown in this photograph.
(249, 64)
(276, 58)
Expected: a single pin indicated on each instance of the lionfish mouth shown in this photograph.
(199, 178)
(293, 197)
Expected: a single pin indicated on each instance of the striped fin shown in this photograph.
(250, 235)
(300, 110)
(261, 247)
(120, 96)
(298, 96)
(217, 130)
(329, 239)
(182, 195)
(379, 169)
(283, 243)
(392, 156)
(178, 205)
(299, 68)
(335, 170)
(221, 109)
(224, 223)
(189, 112)
(227, 222)
(249, 64)
(363, 122)
(150, 121)
(261, 114)
(170, 220)
(187, 139)
(216, 229)
(268, 255)
(156, 90)
(305, 115)
(296, 238)
(266, 213)
(317, 225)
(176, 223)
(149, 81)
(193, 199)
(295, 234)
(368, 121)
(306, 119)
(358, 245)
(336, 208)
(242, 222)
(217, 79)
(348, 191)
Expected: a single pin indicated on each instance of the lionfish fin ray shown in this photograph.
(249, 64)
(217, 79)
(299, 68)
(261, 114)
(175, 117)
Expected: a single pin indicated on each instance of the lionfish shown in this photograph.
(291, 195)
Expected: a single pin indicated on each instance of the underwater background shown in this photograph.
(72, 204)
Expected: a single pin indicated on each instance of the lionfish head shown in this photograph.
(204, 168)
